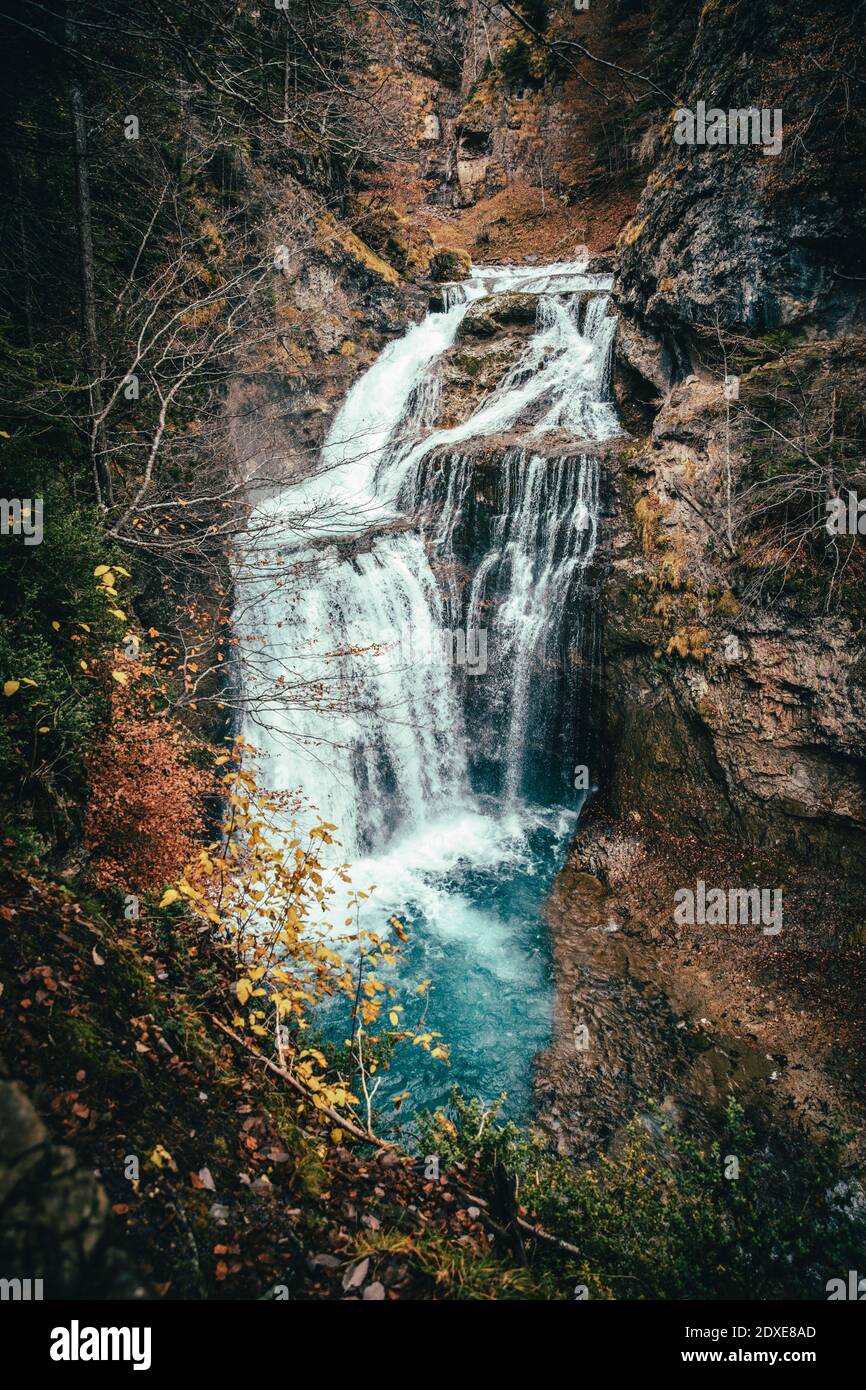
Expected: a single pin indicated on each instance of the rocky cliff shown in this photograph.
(734, 749)
(734, 638)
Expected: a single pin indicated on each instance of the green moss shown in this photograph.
(81, 1044)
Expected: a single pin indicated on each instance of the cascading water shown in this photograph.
(451, 783)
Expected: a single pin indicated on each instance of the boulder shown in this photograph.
(494, 313)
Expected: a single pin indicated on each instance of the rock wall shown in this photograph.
(736, 705)
(724, 716)
(737, 236)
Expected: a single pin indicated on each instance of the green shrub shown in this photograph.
(54, 616)
(659, 1218)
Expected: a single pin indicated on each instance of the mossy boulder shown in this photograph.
(450, 265)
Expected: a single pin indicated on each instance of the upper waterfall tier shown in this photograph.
(386, 425)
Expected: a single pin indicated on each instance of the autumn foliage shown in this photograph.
(265, 888)
(147, 807)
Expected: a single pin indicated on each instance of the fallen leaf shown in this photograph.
(354, 1277)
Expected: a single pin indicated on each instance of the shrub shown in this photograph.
(658, 1217)
(56, 620)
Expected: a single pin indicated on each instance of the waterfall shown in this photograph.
(538, 543)
(413, 631)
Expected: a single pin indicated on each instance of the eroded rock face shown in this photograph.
(726, 715)
(736, 705)
(732, 236)
(492, 335)
(668, 1022)
(470, 372)
(488, 316)
(335, 306)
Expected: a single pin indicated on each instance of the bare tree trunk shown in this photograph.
(101, 474)
(25, 264)
(286, 67)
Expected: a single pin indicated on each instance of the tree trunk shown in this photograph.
(101, 474)
(25, 263)
(286, 68)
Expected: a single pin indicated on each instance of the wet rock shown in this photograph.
(471, 370)
(490, 315)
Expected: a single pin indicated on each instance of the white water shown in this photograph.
(361, 562)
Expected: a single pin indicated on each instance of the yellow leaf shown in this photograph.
(336, 1136)
(121, 677)
(56, 626)
(9, 687)
(315, 1053)
(244, 990)
(44, 729)
(170, 896)
(118, 613)
(100, 570)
